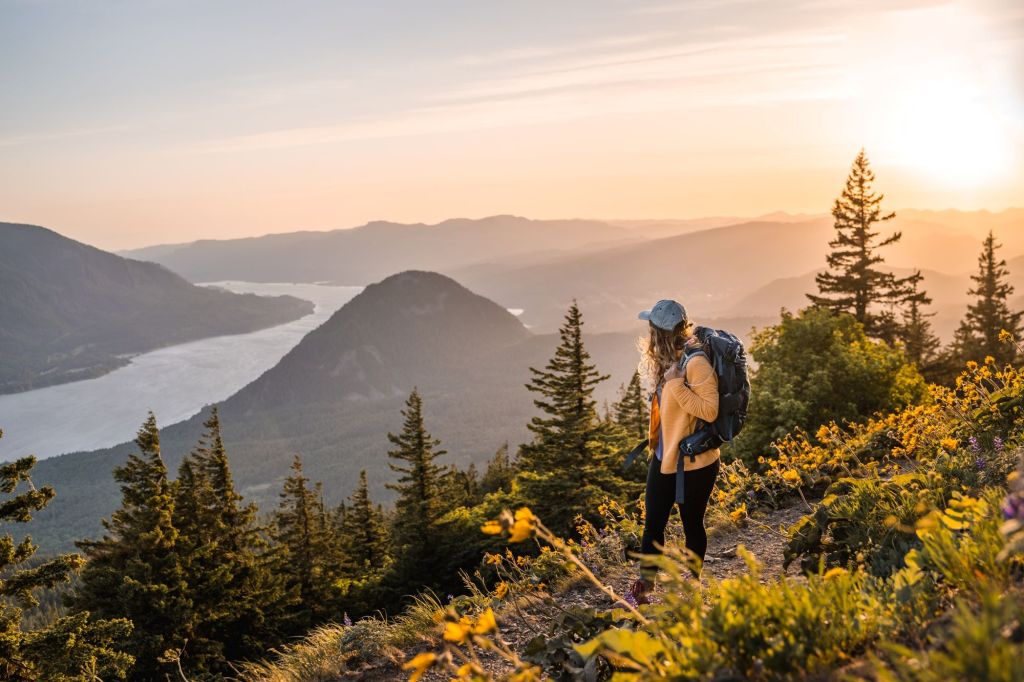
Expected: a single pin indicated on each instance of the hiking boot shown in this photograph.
(640, 590)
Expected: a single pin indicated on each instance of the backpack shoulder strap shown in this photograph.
(690, 356)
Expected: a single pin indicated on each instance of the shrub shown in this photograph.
(863, 521)
(815, 368)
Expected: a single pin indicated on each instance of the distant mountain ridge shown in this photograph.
(710, 263)
(369, 253)
(70, 311)
(714, 270)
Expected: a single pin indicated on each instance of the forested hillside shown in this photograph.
(71, 311)
(334, 396)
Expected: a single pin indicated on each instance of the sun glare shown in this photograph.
(936, 104)
(951, 134)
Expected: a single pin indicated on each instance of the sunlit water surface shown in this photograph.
(174, 382)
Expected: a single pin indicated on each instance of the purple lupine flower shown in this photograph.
(975, 446)
(450, 597)
(997, 444)
(1013, 507)
(346, 621)
(980, 463)
(631, 600)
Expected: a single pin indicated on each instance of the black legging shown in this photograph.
(661, 495)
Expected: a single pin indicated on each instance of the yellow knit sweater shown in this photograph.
(682, 404)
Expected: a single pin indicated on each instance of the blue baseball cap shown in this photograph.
(666, 314)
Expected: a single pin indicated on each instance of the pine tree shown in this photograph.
(308, 552)
(919, 341)
(568, 468)
(978, 334)
(420, 487)
(632, 412)
(461, 487)
(363, 531)
(72, 648)
(499, 472)
(853, 284)
(237, 600)
(135, 570)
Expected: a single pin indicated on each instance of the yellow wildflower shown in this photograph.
(501, 590)
(491, 528)
(524, 514)
(1005, 336)
(948, 443)
(791, 476)
(486, 623)
(522, 529)
(457, 631)
(833, 572)
(419, 665)
(738, 513)
(492, 558)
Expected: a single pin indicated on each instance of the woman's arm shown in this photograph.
(700, 398)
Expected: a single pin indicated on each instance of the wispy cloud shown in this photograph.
(540, 52)
(685, 6)
(736, 72)
(735, 57)
(49, 136)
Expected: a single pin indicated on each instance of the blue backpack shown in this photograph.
(727, 356)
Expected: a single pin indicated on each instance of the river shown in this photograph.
(174, 382)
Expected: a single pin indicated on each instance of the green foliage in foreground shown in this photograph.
(913, 565)
(69, 649)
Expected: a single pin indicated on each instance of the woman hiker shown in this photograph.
(684, 389)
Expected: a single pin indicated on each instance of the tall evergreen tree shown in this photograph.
(978, 334)
(919, 341)
(363, 531)
(853, 283)
(135, 570)
(462, 486)
(632, 411)
(237, 600)
(421, 485)
(568, 468)
(308, 552)
(72, 648)
(499, 472)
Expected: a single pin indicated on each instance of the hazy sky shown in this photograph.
(145, 121)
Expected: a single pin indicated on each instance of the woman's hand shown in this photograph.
(673, 372)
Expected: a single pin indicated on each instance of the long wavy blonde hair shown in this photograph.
(659, 351)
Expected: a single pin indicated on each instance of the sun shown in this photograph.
(951, 133)
(934, 93)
